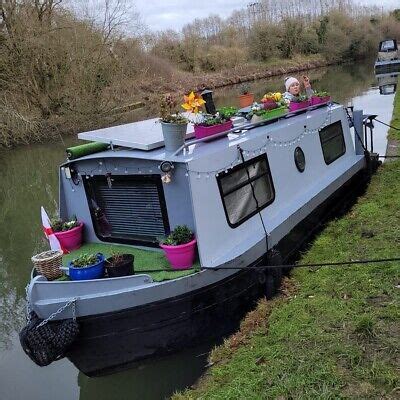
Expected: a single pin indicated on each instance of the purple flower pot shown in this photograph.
(269, 104)
(201, 131)
(295, 106)
(181, 256)
(315, 100)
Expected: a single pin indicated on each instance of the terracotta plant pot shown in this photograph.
(201, 131)
(72, 239)
(246, 100)
(123, 268)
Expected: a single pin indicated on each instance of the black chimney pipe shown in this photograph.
(207, 97)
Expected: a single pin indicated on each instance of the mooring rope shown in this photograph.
(390, 126)
(310, 265)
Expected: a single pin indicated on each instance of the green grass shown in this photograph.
(145, 260)
(334, 333)
(393, 134)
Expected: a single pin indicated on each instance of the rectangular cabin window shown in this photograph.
(236, 188)
(388, 45)
(128, 209)
(332, 142)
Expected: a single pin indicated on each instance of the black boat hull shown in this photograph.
(115, 341)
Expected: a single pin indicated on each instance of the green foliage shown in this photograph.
(393, 133)
(396, 14)
(180, 235)
(365, 325)
(227, 112)
(85, 260)
(291, 37)
(300, 98)
(211, 120)
(116, 258)
(321, 93)
(263, 42)
(60, 225)
(322, 29)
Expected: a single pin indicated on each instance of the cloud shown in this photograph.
(174, 14)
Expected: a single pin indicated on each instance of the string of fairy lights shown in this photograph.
(270, 141)
(104, 167)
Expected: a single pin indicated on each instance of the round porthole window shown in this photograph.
(299, 159)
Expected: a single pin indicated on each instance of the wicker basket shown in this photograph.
(49, 264)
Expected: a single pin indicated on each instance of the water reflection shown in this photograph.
(28, 180)
(151, 380)
(343, 82)
(388, 80)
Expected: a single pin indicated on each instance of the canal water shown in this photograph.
(29, 180)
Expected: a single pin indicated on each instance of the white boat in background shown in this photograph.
(388, 55)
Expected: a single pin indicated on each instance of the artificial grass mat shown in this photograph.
(145, 260)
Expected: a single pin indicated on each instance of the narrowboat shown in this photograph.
(252, 196)
(388, 55)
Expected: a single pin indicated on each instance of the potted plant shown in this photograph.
(173, 124)
(320, 98)
(206, 125)
(68, 232)
(258, 113)
(301, 102)
(119, 265)
(179, 247)
(246, 98)
(212, 125)
(272, 100)
(86, 266)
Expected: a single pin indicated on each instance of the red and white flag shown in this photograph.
(48, 231)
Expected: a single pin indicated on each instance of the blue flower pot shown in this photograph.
(94, 271)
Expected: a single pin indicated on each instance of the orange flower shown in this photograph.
(193, 102)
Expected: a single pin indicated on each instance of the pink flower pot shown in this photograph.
(201, 131)
(315, 100)
(181, 256)
(72, 239)
(295, 106)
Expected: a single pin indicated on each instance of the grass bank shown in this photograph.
(333, 332)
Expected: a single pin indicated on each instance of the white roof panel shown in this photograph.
(142, 135)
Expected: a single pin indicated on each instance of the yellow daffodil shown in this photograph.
(277, 96)
(193, 102)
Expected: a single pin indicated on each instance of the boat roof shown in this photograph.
(149, 148)
(142, 135)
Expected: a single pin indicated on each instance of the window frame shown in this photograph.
(339, 122)
(296, 161)
(238, 167)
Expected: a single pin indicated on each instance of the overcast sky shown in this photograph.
(166, 14)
